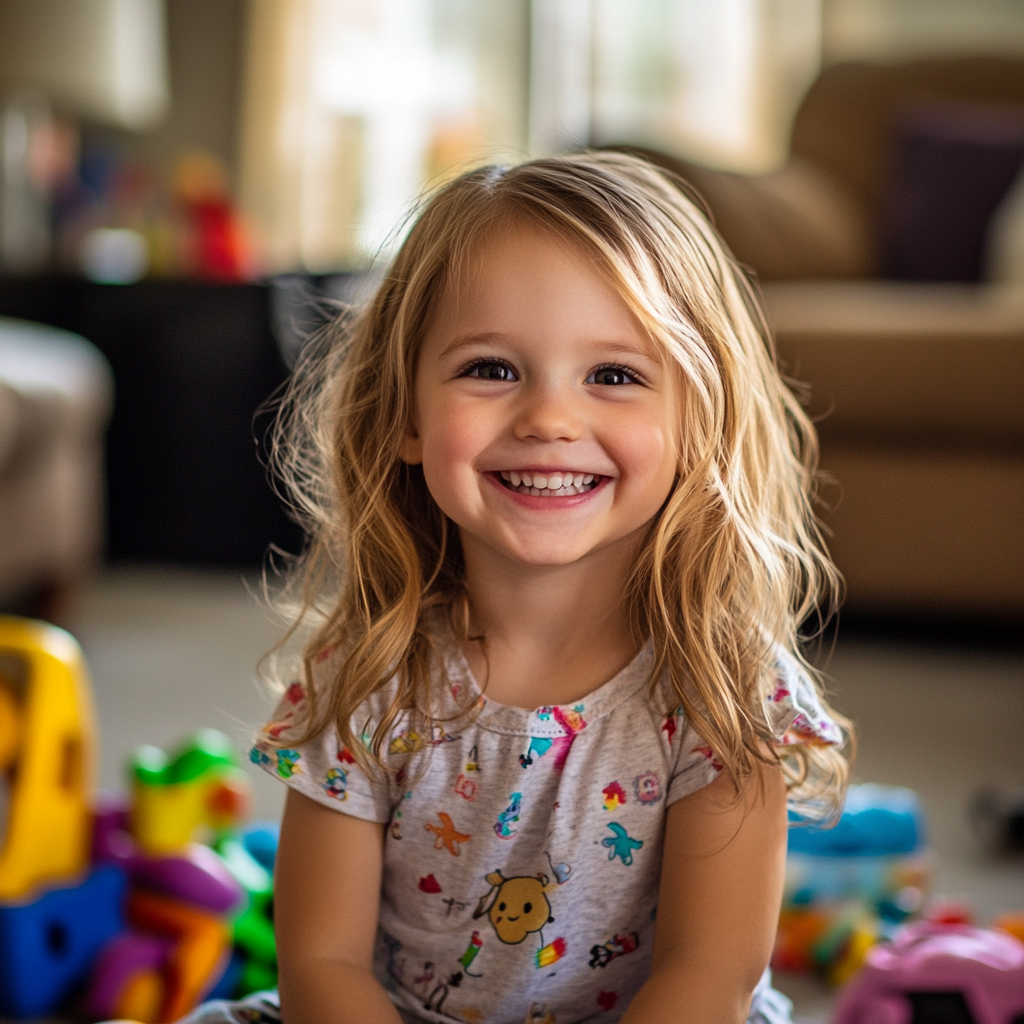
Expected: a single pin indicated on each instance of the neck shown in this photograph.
(551, 634)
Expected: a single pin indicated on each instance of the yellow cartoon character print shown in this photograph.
(516, 907)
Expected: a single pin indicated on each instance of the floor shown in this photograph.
(172, 650)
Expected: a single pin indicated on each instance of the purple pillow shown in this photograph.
(952, 164)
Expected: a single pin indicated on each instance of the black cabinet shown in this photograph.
(193, 363)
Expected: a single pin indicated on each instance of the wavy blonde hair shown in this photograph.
(733, 563)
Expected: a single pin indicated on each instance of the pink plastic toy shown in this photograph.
(941, 972)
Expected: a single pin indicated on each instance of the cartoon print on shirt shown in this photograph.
(572, 722)
(538, 745)
(406, 743)
(669, 727)
(470, 955)
(516, 907)
(560, 871)
(447, 836)
(607, 1000)
(336, 783)
(441, 992)
(286, 762)
(647, 787)
(438, 736)
(614, 796)
(621, 845)
(473, 764)
(466, 787)
(716, 765)
(604, 953)
(550, 954)
(429, 884)
(503, 826)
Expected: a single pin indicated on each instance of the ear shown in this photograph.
(410, 450)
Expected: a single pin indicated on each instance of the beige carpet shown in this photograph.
(171, 651)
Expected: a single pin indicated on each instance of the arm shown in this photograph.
(326, 897)
(718, 907)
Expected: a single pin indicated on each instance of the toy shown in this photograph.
(254, 927)
(938, 972)
(202, 946)
(46, 753)
(48, 944)
(173, 796)
(850, 885)
(111, 900)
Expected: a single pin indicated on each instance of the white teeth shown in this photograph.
(553, 485)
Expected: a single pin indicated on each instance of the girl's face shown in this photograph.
(545, 420)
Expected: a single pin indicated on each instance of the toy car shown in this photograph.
(938, 974)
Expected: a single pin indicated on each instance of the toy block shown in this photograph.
(47, 750)
(126, 978)
(196, 876)
(173, 796)
(47, 946)
(254, 926)
(260, 840)
(200, 952)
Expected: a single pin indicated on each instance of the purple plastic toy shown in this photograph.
(941, 972)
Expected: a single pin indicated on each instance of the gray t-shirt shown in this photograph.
(523, 848)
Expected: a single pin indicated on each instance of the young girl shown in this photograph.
(559, 501)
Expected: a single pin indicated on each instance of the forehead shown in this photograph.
(524, 278)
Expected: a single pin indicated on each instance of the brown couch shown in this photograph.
(918, 387)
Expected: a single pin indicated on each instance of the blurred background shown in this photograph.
(186, 184)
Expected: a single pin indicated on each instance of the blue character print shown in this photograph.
(621, 845)
(539, 745)
(503, 826)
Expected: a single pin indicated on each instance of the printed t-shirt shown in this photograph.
(523, 848)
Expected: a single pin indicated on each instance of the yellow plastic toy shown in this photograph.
(47, 755)
(197, 786)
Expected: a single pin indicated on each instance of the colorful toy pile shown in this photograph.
(109, 905)
(849, 886)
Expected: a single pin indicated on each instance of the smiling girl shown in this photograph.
(559, 502)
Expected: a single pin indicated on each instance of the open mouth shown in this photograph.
(549, 485)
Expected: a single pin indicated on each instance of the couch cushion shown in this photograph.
(906, 364)
(953, 163)
(844, 124)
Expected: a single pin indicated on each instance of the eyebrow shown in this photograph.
(497, 337)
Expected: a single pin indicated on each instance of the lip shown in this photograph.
(534, 503)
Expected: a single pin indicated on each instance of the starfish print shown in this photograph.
(446, 833)
(621, 845)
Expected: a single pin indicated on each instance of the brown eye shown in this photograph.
(612, 375)
(491, 369)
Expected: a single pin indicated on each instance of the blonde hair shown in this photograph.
(734, 562)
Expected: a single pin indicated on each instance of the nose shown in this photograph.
(549, 413)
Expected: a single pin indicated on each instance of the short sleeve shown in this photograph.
(794, 707)
(322, 768)
(794, 711)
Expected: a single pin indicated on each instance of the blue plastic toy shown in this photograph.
(47, 946)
